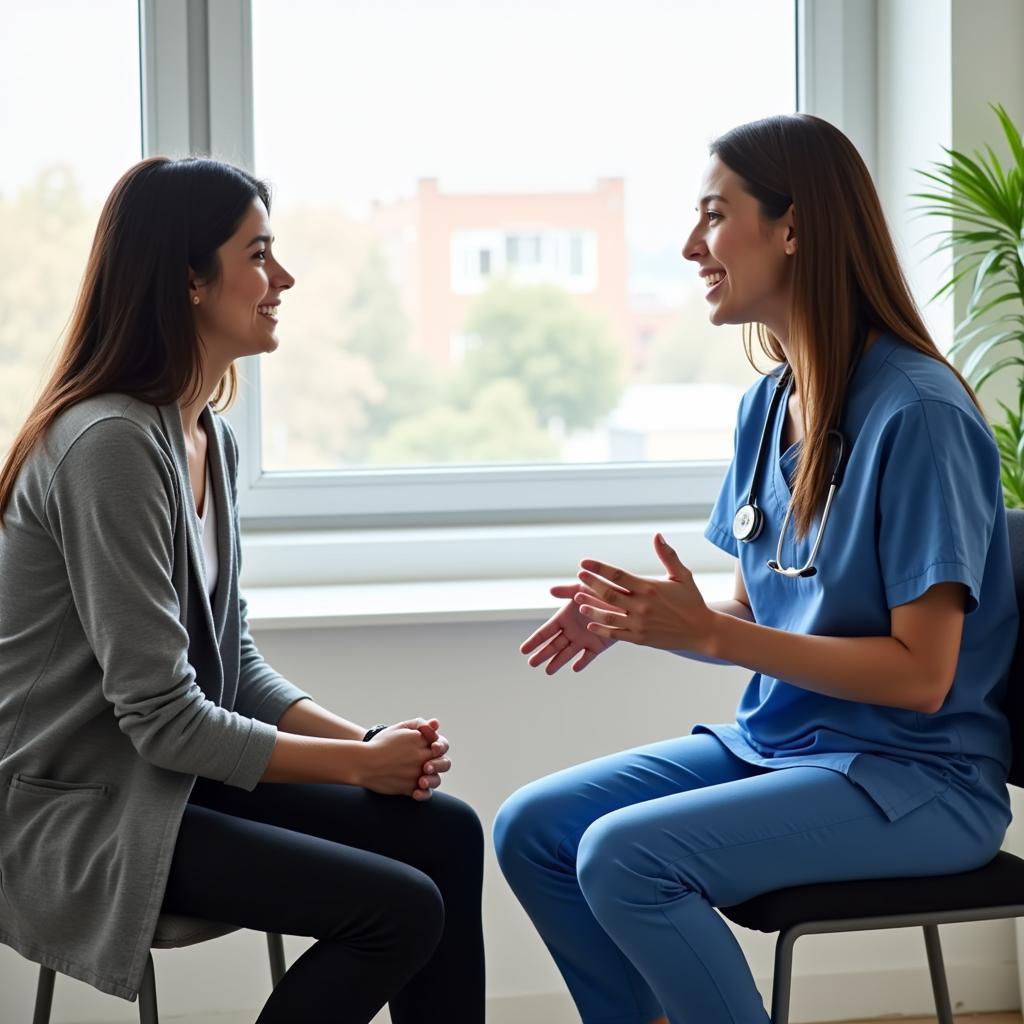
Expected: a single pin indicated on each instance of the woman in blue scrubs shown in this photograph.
(873, 603)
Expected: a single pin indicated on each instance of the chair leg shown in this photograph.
(938, 972)
(275, 946)
(44, 996)
(783, 977)
(148, 1013)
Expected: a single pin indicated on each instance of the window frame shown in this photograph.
(194, 103)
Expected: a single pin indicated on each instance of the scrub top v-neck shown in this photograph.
(920, 504)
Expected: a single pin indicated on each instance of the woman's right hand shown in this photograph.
(565, 634)
(393, 761)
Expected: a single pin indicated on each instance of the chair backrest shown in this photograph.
(1015, 690)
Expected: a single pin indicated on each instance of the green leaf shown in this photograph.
(972, 182)
(991, 262)
(1001, 364)
(965, 337)
(951, 283)
(991, 304)
(1010, 131)
(979, 353)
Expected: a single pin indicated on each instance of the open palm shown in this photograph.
(565, 634)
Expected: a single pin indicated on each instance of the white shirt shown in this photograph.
(208, 529)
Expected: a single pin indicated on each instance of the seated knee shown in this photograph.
(463, 831)
(520, 827)
(412, 923)
(613, 867)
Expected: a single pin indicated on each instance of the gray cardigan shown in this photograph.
(119, 684)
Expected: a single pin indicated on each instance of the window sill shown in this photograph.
(419, 602)
(330, 559)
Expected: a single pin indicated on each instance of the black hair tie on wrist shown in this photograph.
(370, 733)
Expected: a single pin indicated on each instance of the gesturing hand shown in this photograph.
(565, 634)
(669, 613)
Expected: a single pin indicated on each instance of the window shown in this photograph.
(71, 126)
(576, 255)
(541, 217)
(522, 250)
(352, 150)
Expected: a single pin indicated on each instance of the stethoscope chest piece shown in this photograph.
(747, 523)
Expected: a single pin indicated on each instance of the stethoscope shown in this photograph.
(749, 519)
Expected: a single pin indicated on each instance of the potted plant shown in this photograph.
(986, 204)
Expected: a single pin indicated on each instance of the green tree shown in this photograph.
(345, 373)
(565, 358)
(498, 426)
(692, 350)
(377, 329)
(48, 226)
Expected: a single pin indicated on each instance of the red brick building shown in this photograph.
(445, 248)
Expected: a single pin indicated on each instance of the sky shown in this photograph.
(357, 99)
(69, 91)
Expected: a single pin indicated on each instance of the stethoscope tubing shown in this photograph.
(749, 519)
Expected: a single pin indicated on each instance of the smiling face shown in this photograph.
(745, 260)
(237, 313)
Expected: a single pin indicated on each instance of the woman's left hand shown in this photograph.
(670, 614)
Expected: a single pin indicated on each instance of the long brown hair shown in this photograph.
(847, 279)
(131, 330)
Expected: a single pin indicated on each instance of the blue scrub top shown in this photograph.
(920, 504)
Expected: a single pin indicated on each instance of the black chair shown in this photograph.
(987, 894)
(172, 932)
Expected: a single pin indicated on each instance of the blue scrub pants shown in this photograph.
(619, 863)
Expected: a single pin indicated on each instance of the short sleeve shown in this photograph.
(939, 494)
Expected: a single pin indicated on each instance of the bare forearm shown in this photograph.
(307, 718)
(874, 670)
(315, 759)
(738, 610)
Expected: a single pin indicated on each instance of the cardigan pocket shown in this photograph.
(56, 787)
(52, 892)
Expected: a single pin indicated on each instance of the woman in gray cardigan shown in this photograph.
(141, 732)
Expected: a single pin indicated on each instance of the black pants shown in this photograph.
(389, 886)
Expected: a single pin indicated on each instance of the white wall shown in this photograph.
(915, 120)
(986, 68)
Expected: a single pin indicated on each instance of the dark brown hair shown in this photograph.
(847, 279)
(131, 330)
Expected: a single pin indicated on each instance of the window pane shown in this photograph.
(71, 124)
(488, 262)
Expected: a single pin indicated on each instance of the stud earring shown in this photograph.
(195, 300)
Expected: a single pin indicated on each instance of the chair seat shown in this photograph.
(999, 883)
(174, 931)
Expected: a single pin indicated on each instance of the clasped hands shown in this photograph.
(408, 750)
(610, 604)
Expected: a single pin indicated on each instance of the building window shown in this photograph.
(522, 250)
(576, 255)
